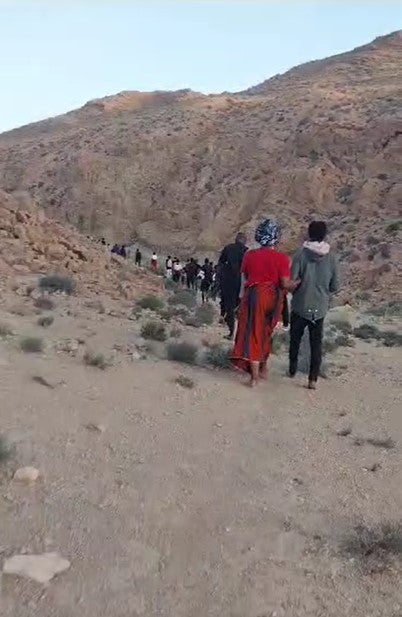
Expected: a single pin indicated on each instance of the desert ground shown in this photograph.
(215, 500)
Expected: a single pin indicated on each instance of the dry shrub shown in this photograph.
(154, 330)
(205, 314)
(366, 332)
(44, 304)
(151, 302)
(218, 356)
(185, 382)
(6, 449)
(45, 321)
(31, 344)
(5, 330)
(53, 283)
(392, 338)
(182, 352)
(96, 359)
(185, 297)
(374, 548)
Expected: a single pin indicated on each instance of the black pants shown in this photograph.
(315, 328)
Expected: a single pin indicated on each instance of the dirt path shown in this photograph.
(217, 501)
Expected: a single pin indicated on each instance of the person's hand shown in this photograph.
(294, 284)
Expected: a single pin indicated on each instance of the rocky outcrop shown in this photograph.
(32, 243)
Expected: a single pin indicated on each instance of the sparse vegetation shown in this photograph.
(44, 303)
(6, 449)
(151, 302)
(218, 356)
(182, 352)
(45, 321)
(154, 330)
(97, 359)
(374, 548)
(175, 333)
(386, 443)
(185, 297)
(5, 330)
(392, 338)
(387, 309)
(53, 283)
(31, 344)
(394, 227)
(185, 382)
(205, 314)
(343, 340)
(366, 332)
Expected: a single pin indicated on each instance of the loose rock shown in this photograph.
(40, 568)
(26, 474)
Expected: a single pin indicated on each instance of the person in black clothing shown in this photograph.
(206, 282)
(115, 249)
(191, 273)
(230, 262)
(122, 251)
(138, 257)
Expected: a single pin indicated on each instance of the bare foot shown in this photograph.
(253, 383)
(263, 373)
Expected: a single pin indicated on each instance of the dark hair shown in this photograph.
(317, 230)
(241, 237)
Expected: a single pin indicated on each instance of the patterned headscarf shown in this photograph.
(267, 233)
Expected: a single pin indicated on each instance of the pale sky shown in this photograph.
(57, 55)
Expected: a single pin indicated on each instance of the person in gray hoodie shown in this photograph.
(316, 266)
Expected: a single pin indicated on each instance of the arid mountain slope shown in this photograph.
(181, 170)
(30, 243)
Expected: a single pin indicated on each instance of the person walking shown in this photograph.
(229, 266)
(154, 261)
(316, 266)
(265, 278)
(206, 282)
(169, 267)
(138, 258)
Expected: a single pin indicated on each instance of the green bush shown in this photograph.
(56, 282)
(218, 356)
(31, 344)
(182, 352)
(185, 297)
(154, 330)
(45, 321)
(205, 314)
(153, 303)
(92, 358)
(171, 285)
(343, 340)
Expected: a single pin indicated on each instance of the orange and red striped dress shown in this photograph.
(261, 305)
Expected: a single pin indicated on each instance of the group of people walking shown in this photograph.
(254, 286)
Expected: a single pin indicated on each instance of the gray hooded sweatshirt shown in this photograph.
(317, 268)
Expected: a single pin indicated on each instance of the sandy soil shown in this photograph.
(216, 501)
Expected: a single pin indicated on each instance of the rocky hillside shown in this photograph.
(181, 170)
(30, 243)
